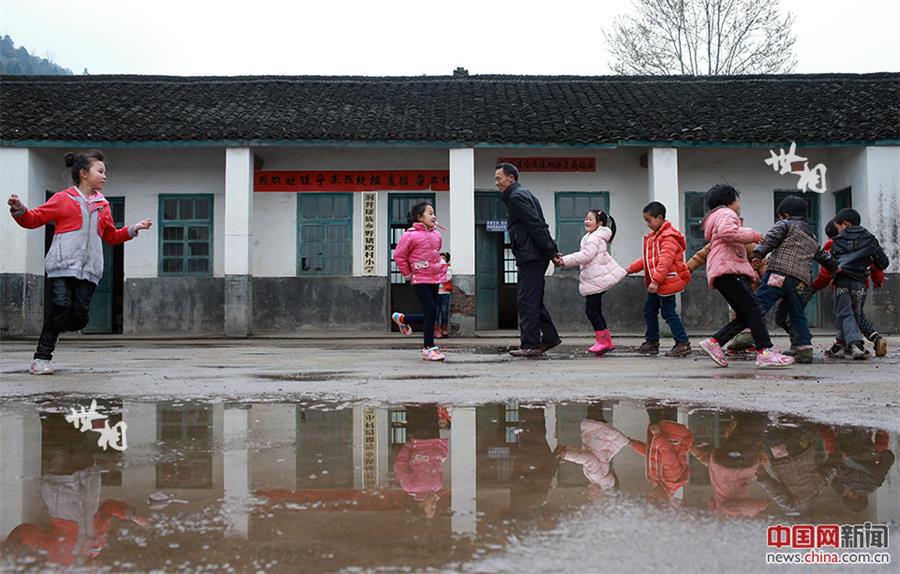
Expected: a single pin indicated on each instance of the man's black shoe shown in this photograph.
(547, 346)
(536, 352)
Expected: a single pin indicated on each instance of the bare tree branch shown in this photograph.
(712, 37)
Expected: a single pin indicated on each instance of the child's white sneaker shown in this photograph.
(41, 367)
(400, 320)
(772, 359)
(432, 354)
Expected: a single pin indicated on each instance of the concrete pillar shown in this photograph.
(662, 164)
(662, 171)
(20, 473)
(463, 466)
(462, 238)
(879, 208)
(141, 419)
(22, 264)
(238, 238)
(236, 462)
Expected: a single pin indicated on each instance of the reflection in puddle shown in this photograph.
(318, 486)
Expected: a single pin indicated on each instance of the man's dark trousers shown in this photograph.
(534, 319)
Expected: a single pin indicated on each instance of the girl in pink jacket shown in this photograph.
(729, 271)
(418, 257)
(599, 273)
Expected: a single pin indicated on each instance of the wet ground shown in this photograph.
(293, 456)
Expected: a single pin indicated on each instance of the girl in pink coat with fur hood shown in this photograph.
(599, 273)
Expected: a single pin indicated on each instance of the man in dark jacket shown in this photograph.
(534, 249)
(854, 249)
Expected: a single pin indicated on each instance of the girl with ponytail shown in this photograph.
(599, 273)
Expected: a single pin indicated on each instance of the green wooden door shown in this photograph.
(843, 199)
(488, 260)
(813, 216)
(101, 312)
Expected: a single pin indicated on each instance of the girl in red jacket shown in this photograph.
(418, 257)
(74, 263)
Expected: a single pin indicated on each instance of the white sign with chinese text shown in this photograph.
(369, 228)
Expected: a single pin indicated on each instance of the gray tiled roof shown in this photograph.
(445, 109)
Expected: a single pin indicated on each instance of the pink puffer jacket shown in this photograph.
(727, 254)
(418, 253)
(418, 466)
(601, 443)
(599, 271)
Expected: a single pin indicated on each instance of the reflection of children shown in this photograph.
(666, 453)
(861, 461)
(74, 264)
(600, 443)
(418, 469)
(442, 329)
(734, 464)
(418, 257)
(796, 477)
(599, 273)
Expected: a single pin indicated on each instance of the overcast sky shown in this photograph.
(189, 37)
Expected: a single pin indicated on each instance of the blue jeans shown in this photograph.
(656, 303)
(791, 291)
(445, 309)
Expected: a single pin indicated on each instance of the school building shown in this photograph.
(277, 200)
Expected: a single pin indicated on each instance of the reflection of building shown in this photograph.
(307, 478)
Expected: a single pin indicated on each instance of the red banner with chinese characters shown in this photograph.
(388, 180)
(552, 163)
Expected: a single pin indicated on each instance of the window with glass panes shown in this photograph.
(324, 233)
(185, 234)
(694, 211)
(571, 207)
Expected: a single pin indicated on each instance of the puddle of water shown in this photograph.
(315, 485)
(310, 376)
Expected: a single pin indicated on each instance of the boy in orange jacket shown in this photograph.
(665, 274)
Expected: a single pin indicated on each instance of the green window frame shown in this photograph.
(571, 206)
(694, 212)
(186, 234)
(324, 234)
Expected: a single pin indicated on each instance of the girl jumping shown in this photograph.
(418, 257)
(74, 263)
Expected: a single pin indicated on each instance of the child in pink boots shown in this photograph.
(599, 273)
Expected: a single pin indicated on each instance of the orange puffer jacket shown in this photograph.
(663, 260)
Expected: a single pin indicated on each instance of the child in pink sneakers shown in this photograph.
(729, 271)
(599, 273)
(418, 257)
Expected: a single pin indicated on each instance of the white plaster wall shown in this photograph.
(142, 175)
(882, 199)
(28, 174)
(743, 168)
(618, 172)
(275, 214)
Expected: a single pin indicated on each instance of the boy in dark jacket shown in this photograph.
(855, 249)
(791, 247)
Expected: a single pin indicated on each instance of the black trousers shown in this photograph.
(70, 301)
(736, 290)
(428, 297)
(535, 324)
(593, 308)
